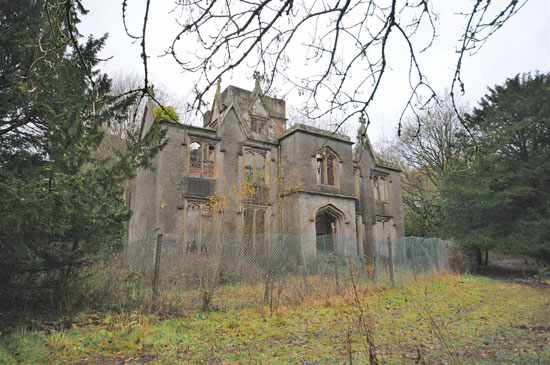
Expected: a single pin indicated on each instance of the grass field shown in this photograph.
(448, 319)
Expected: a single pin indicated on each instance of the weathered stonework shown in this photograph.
(243, 172)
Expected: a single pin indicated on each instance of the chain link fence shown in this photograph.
(231, 271)
(403, 259)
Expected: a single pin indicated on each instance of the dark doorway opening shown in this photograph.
(325, 226)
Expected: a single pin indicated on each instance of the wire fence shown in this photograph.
(239, 270)
(404, 259)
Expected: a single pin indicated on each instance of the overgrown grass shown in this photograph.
(447, 319)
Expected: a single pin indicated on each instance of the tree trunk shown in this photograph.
(205, 303)
(479, 257)
(486, 257)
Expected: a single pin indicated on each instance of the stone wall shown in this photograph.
(159, 197)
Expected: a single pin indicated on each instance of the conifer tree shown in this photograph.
(61, 204)
(502, 199)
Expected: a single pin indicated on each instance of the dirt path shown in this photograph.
(515, 270)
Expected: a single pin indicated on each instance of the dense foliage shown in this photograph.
(62, 203)
(167, 114)
(501, 196)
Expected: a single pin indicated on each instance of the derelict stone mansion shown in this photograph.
(244, 172)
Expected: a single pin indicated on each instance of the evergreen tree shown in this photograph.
(503, 199)
(61, 204)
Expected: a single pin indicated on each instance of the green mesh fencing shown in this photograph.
(403, 259)
(251, 269)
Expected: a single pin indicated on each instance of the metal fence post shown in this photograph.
(157, 267)
(412, 247)
(268, 277)
(335, 258)
(390, 257)
(436, 255)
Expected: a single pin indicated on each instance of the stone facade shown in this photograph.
(244, 172)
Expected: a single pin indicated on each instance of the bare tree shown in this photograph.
(127, 126)
(435, 140)
(327, 122)
(430, 146)
(346, 41)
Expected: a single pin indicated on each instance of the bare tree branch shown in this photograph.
(346, 41)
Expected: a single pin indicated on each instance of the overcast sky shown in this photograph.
(522, 45)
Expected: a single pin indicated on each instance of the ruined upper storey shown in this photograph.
(261, 116)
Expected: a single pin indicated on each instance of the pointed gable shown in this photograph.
(261, 117)
(214, 117)
(258, 109)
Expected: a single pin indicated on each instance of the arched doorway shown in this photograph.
(327, 225)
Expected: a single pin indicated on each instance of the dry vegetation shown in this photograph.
(442, 319)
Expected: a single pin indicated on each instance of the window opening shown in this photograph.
(258, 125)
(326, 167)
(248, 221)
(201, 159)
(260, 168)
(325, 226)
(193, 224)
(198, 224)
(319, 167)
(254, 167)
(195, 159)
(381, 192)
(382, 187)
(254, 227)
(260, 221)
(330, 170)
(249, 166)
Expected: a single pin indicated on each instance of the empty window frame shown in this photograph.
(326, 164)
(198, 224)
(380, 185)
(202, 156)
(254, 166)
(254, 220)
(255, 227)
(258, 125)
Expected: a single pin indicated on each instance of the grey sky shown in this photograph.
(522, 45)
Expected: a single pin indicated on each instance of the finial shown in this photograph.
(219, 85)
(362, 130)
(256, 76)
(362, 120)
(217, 97)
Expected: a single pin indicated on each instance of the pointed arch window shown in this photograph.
(198, 224)
(382, 189)
(326, 161)
(202, 156)
(255, 226)
(254, 166)
(380, 185)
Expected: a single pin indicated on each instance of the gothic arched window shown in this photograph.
(254, 166)
(326, 167)
(380, 185)
(198, 225)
